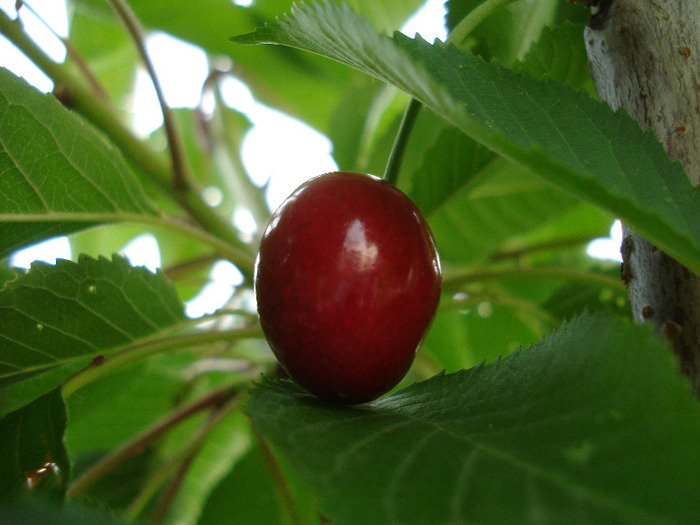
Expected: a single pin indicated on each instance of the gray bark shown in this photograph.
(645, 58)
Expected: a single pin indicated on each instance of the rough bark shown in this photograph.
(645, 58)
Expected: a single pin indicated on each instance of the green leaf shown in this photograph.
(591, 425)
(37, 511)
(33, 458)
(69, 179)
(55, 319)
(564, 136)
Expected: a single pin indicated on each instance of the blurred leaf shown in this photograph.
(564, 136)
(54, 318)
(462, 336)
(107, 50)
(353, 124)
(69, 179)
(508, 34)
(386, 16)
(593, 425)
(40, 512)
(114, 408)
(32, 457)
(117, 489)
(225, 445)
(572, 298)
(476, 201)
(561, 55)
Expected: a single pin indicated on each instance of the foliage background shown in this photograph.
(113, 399)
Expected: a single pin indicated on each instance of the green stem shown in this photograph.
(106, 118)
(398, 151)
(473, 19)
(455, 279)
(141, 441)
(141, 350)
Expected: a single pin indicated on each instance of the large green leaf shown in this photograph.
(564, 136)
(591, 425)
(32, 457)
(70, 178)
(56, 318)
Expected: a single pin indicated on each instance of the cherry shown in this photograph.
(347, 281)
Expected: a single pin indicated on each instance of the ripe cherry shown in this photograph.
(347, 281)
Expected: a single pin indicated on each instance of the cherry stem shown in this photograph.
(398, 151)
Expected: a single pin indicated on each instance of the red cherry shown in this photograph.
(347, 281)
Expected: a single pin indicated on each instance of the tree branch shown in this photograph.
(645, 58)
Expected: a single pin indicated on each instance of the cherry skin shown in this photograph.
(347, 281)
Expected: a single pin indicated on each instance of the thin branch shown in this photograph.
(455, 279)
(181, 175)
(141, 441)
(556, 244)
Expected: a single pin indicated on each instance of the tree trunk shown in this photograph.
(645, 58)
